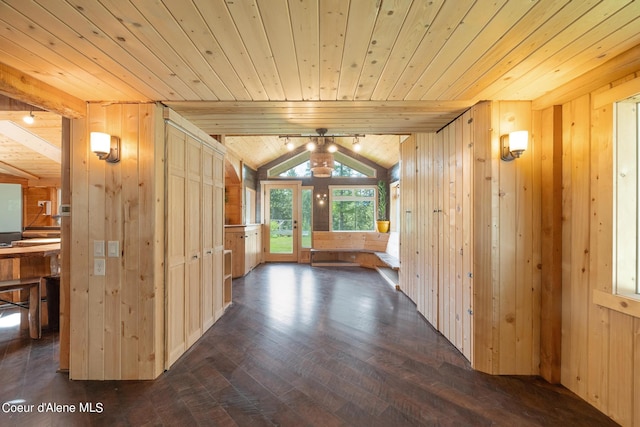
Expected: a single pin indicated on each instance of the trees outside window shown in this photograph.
(352, 208)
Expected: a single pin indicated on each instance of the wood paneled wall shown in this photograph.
(516, 324)
(470, 245)
(35, 216)
(600, 345)
(516, 221)
(408, 276)
(117, 319)
(32, 215)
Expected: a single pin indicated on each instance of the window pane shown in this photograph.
(302, 170)
(343, 192)
(307, 209)
(365, 192)
(626, 198)
(281, 226)
(343, 170)
(352, 216)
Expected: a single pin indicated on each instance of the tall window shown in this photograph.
(307, 216)
(352, 208)
(626, 188)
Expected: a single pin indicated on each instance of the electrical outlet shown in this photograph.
(99, 267)
(46, 204)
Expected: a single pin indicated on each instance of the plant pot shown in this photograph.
(382, 226)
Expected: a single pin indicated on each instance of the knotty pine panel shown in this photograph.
(484, 159)
(600, 346)
(518, 247)
(407, 225)
(575, 237)
(208, 268)
(548, 132)
(444, 271)
(467, 233)
(193, 233)
(115, 318)
(469, 248)
(177, 252)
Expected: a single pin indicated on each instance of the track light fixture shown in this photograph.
(329, 141)
(321, 148)
(289, 144)
(29, 119)
(356, 144)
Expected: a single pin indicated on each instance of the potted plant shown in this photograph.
(382, 223)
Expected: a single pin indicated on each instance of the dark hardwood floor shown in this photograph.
(299, 346)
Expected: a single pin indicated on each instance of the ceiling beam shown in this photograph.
(29, 140)
(17, 172)
(22, 87)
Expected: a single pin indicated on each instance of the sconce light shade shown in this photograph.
(105, 146)
(513, 145)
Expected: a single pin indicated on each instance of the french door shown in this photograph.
(281, 218)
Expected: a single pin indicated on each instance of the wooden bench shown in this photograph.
(353, 248)
(31, 284)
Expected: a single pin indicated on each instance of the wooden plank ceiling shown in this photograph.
(31, 151)
(271, 67)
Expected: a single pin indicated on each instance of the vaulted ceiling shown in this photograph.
(271, 67)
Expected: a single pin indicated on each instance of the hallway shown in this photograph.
(299, 346)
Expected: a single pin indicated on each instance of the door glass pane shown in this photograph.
(307, 209)
(281, 224)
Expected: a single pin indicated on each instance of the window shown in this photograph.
(299, 166)
(352, 208)
(342, 170)
(307, 216)
(626, 223)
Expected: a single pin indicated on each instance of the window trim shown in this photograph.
(623, 299)
(621, 212)
(623, 303)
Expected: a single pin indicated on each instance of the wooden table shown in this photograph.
(35, 262)
(30, 251)
(33, 286)
(35, 242)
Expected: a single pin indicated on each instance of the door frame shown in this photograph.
(296, 187)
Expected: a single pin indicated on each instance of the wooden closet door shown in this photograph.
(176, 247)
(208, 257)
(218, 234)
(194, 241)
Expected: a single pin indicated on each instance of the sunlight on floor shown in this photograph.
(10, 320)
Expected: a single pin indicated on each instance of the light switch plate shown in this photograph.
(98, 248)
(99, 267)
(113, 248)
